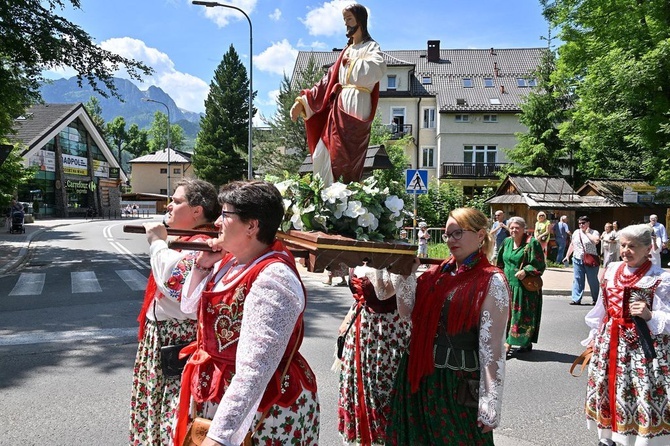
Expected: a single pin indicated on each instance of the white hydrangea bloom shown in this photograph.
(354, 209)
(394, 204)
(284, 186)
(334, 192)
(340, 208)
(368, 220)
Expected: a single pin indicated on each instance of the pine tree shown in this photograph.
(221, 146)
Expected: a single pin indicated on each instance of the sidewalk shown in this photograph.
(14, 249)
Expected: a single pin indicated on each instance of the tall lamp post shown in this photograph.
(168, 143)
(251, 74)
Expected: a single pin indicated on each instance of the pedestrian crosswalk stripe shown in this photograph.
(133, 278)
(84, 282)
(29, 284)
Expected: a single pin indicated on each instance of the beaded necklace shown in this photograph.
(624, 280)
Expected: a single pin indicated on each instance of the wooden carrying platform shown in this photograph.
(320, 250)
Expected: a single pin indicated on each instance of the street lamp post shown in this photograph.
(251, 74)
(168, 143)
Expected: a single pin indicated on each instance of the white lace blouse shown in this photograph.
(272, 307)
(492, 333)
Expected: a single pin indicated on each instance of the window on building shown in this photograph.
(480, 154)
(521, 82)
(467, 82)
(490, 118)
(531, 82)
(426, 80)
(176, 171)
(462, 118)
(397, 120)
(164, 170)
(460, 101)
(494, 101)
(488, 82)
(429, 118)
(428, 157)
(391, 82)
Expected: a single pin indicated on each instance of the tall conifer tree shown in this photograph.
(221, 146)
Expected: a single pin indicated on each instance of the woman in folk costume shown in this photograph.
(521, 255)
(155, 396)
(448, 389)
(339, 110)
(375, 339)
(246, 373)
(629, 380)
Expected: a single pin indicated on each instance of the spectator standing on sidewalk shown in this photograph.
(585, 240)
(499, 231)
(562, 232)
(659, 237)
(423, 237)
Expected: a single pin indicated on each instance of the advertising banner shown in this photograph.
(100, 169)
(75, 165)
(44, 159)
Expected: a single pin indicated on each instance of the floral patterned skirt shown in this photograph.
(383, 339)
(432, 416)
(525, 316)
(297, 424)
(155, 398)
(641, 389)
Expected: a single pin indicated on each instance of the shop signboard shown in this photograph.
(79, 187)
(101, 168)
(75, 165)
(44, 159)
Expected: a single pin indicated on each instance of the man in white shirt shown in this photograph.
(584, 241)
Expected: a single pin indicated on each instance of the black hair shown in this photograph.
(256, 200)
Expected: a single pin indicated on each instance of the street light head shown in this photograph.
(208, 4)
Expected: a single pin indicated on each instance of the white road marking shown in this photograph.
(94, 334)
(29, 284)
(84, 282)
(133, 278)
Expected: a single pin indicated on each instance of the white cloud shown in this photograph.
(276, 15)
(189, 92)
(326, 20)
(279, 58)
(316, 45)
(222, 16)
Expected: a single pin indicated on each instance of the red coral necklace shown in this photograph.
(621, 279)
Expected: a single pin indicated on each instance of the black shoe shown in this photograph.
(526, 349)
(572, 302)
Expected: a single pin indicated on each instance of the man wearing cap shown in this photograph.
(498, 231)
(584, 240)
(423, 237)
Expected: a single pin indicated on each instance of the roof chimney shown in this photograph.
(502, 89)
(434, 51)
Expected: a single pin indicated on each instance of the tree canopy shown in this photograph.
(33, 37)
(221, 147)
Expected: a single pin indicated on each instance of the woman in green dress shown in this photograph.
(522, 255)
(448, 388)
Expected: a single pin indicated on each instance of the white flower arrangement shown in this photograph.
(357, 210)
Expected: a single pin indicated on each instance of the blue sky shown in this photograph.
(184, 43)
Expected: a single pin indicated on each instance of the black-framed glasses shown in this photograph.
(225, 213)
(456, 234)
(582, 223)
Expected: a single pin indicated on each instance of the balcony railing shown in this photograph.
(471, 170)
(397, 131)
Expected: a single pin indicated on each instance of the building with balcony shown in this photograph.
(149, 173)
(460, 106)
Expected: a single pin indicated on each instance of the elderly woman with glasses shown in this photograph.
(628, 390)
(521, 256)
(246, 371)
(448, 388)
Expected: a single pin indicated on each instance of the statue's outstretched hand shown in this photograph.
(296, 111)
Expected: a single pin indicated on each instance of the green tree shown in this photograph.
(285, 146)
(616, 59)
(33, 38)
(12, 176)
(158, 134)
(540, 150)
(138, 141)
(94, 110)
(117, 135)
(221, 145)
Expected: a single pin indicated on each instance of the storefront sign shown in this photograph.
(79, 187)
(114, 173)
(75, 165)
(100, 169)
(44, 159)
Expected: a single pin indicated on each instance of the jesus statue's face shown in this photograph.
(350, 22)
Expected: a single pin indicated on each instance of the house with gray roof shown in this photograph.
(150, 172)
(460, 106)
(77, 174)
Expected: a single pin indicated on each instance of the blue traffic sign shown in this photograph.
(416, 181)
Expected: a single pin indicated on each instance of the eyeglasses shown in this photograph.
(456, 235)
(225, 213)
(582, 223)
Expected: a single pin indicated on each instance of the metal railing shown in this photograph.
(471, 170)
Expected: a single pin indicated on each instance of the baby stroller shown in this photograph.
(17, 223)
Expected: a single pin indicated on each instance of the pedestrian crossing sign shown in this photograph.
(416, 181)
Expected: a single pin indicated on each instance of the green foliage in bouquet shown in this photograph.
(358, 210)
